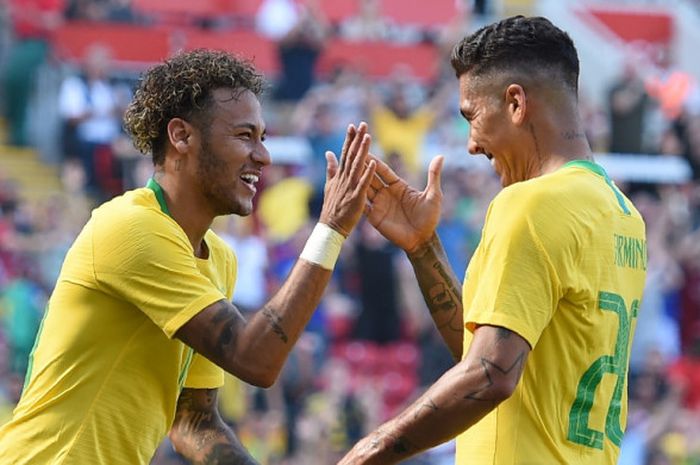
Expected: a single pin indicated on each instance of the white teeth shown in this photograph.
(250, 178)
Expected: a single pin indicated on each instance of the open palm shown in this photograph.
(404, 215)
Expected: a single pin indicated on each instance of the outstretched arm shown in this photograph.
(442, 292)
(256, 350)
(200, 435)
(461, 397)
(408, 218)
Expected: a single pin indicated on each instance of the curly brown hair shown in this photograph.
(181, 87)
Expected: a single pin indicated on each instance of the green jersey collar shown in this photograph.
(158, 191)
(589, 165)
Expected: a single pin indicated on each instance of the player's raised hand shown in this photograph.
(347, 183)
(404, 215)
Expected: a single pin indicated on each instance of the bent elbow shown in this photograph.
(262, 380)
(503, 390)
(256, 376)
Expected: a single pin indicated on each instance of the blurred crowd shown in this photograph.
(370, 347)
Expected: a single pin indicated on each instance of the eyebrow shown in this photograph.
(250, 126)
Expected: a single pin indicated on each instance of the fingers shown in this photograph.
(348, 160)
(349, 137)
(385, 174)
(366, 179)
(358, 161)
(353, 139)
(434, 175)
(331, 165)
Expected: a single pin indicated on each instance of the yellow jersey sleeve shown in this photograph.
(204, 374)
(146, 259)
(514, 283)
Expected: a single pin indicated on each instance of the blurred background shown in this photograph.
(68, 69)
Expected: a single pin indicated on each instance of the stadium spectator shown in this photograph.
(145, 290)
(368, 24)
(628, 104)
(91, 107)
(299, 51)
(541, 284)
(33, 22)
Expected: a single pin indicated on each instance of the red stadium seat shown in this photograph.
(338, 10)
(381, 59)
(200, 8)
(130, 45)
(439, 13)
(262, 51)
(630, 25)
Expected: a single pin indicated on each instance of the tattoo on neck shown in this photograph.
(275, 322)
(536, 142)
(572, 135)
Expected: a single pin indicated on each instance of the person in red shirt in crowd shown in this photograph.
(685, 372)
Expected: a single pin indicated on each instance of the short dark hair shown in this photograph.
(182, 87)
(518, 43)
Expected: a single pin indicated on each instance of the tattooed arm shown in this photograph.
(441, 291)
(461, 397)
(199, 434)
(408, 218)
(255, 351)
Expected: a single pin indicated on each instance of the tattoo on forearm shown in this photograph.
(493, 373)
(398, 445)
(401, 446)
(443, 297)
(427, 405)
(275, 322)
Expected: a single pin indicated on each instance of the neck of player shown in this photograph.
(188, 209)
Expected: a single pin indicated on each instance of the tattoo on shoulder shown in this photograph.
(275, 321)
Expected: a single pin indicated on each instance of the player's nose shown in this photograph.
(262, 155)
(473, 147)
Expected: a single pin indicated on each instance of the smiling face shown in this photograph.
(496, 118)
(231, 155)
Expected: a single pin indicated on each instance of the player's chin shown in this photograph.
(241, 207)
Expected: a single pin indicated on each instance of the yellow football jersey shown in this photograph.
(105, 372)
(562, 262)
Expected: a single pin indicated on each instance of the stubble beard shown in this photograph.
(219, 195)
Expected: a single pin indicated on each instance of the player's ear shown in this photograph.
(180, 134)
(516, 102)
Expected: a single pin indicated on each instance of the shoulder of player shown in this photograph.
(532, 196)
(217, 245)
(133, 213)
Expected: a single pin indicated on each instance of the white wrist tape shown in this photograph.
(323, 246)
